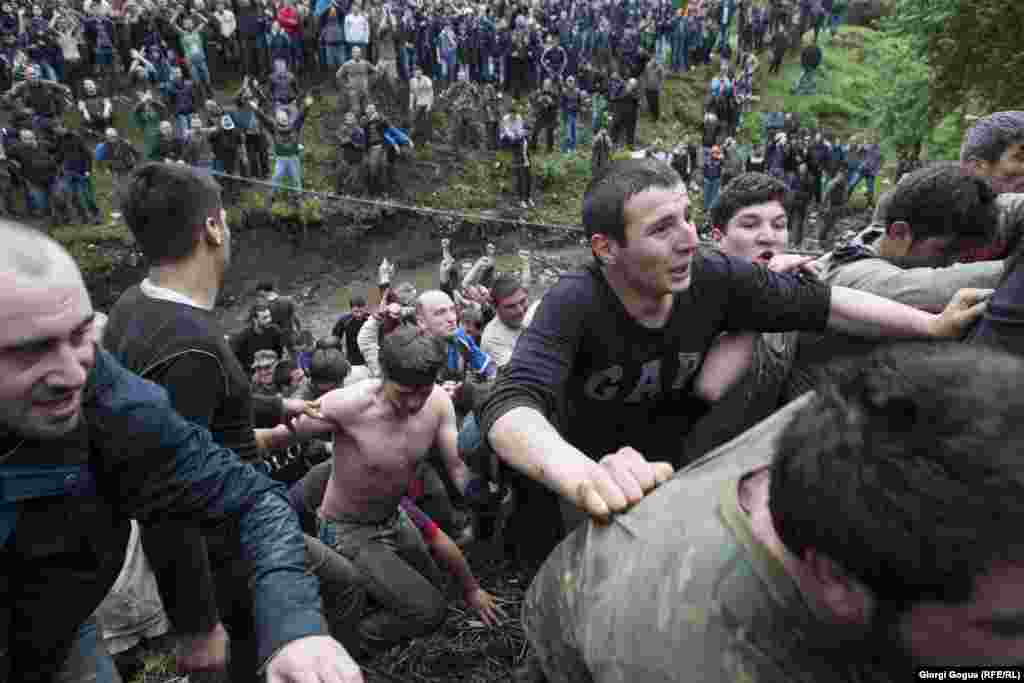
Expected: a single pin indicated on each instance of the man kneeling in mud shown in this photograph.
(382, 428)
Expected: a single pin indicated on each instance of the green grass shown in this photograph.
(842, 102)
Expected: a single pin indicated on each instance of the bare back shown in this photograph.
(375, 451)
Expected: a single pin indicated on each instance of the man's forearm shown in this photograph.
(866, 315)
(526, 441)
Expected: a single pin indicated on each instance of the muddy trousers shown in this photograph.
(398, 574)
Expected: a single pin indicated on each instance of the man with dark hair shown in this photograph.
(100, 446)
(382, 429)
(512, 308)
(907, 254)
(348, 326)
(994, 149)
(283, 312)
(857, 535)
(750, 223)
(164, 329)
(612, 351)
(261, 333)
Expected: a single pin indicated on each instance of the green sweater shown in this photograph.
(148, 120)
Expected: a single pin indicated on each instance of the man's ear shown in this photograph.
(717, 234)
(900, 231)
(214, 231)
(977, 167)
(846, 598)
(604, 248)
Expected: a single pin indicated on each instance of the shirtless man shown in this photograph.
(382, 429)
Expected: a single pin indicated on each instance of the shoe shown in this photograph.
(532, 203)
(524, 205)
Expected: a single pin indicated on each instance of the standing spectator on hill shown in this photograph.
(654, 79)
(870, 155)
(357, 30)
(810, 60)
(570, 105)
(421, 104)
(354, 79)
(711, 169)
(39, 170)
(192, 48)
(780, 43)
(516, 138)
(76, 167)
(601, 149)
(332, 40)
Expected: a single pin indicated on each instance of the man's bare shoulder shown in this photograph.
(440, 403)
(348, 403)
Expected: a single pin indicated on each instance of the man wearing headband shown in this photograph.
(382, 429)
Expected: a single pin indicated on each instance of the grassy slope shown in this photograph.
(842, 105)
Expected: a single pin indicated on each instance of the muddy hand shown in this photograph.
(964, 309)
(620, 480)
(484, 604)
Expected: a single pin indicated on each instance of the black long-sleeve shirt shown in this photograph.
(606, 381)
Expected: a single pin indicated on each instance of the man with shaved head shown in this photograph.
(436, 316)
(84, 447)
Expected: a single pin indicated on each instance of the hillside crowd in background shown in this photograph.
(710, 459)
(227, 88)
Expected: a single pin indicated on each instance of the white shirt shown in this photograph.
(228, 24)
(164, 294)
(421, 93)
(499, 340)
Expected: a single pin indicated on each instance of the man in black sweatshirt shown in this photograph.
(164, 330)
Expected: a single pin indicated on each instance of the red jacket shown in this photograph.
(288, 17)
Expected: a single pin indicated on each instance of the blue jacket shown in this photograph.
(148, 464)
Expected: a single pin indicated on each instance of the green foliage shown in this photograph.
(972, 48)
(845, 83)
(946, 138)
(902, 97)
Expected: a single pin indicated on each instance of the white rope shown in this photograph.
(476, 217)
